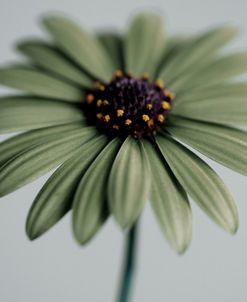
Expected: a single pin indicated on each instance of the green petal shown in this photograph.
(227, 110)
(19, 143)
(38, 160)
(201, 183)
(81, 46)
(221, 90)
(38, 83)
(49, 58)
(226, 145)
(55, 198)
(23, 113)
(170, 203)
(216, 71)
(173, 46)
(197, 52)
(90, 208)
(144, 43)
(113, 44)
(129, 183)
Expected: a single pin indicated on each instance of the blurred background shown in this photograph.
(54, 268)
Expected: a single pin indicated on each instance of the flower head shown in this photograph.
(116, 112)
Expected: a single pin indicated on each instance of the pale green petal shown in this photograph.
(216, 71)
(24, 113)
(221, 90)
(144, 43)
(201, 183)
(169, 202)
(38, 160)
(226, 145)
(129, 183)
(38, 83)
(224, 110)
(90, 207)
(82, 46)
(113, 44)
(51, 59)
(197, 53)
(19, 143)
(173, 46)
(55, 198)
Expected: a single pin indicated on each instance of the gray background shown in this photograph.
(54, 268)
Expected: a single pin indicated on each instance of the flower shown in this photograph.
(117, 112)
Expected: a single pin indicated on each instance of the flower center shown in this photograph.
(128, 105)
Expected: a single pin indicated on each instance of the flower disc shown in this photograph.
(128, 105)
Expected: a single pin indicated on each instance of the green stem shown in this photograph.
(128, 266)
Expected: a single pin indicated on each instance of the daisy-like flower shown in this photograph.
(116, 113)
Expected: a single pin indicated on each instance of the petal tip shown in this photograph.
(81, 238)
(123, 222)
(234, 229)
(181, 247)
(31, 234)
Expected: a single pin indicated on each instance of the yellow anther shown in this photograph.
(99, 103)
(145, 117)
(105, 102)
(128, 122)
(115, 127)
(107, 118)
(99, 86)
(99, 116)
(159, 83)
(118, 73)
(169, 94)
(165, 105)
(120, 112)
(149, 106)
(145, 76)
(150, 123)
(161, 118)
(89, 98)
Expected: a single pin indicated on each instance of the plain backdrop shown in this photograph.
(54, 268)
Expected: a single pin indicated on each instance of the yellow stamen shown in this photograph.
(89, 98)
(99, 86)
(118, 73)
(99, 116)
(159, 83)
(169, 94)
(115, 127)
(107, 118)
(161, 118)
(99, 103)
(128, 122)
(120, 112)
(145, 76)
(149, 106)
(145, 117)
(150, 123)
(106, 102)
(165, 105)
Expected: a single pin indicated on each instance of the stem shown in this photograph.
(128, 266)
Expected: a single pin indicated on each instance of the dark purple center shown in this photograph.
(128, 106)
